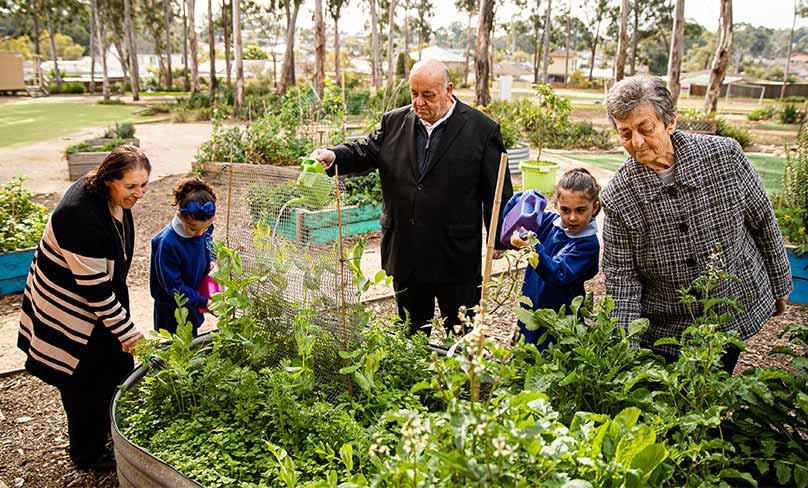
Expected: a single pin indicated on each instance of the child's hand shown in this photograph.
(519, 238)
(212, 266)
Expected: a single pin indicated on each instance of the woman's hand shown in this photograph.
(129, 346)
(780, 306)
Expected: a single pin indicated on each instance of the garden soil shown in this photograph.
(33, 432)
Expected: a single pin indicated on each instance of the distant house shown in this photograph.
(451, 59)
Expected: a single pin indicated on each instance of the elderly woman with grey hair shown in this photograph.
(675, 198)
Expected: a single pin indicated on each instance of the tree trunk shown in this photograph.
(374, 47)
(122, 56)
(337, 69)
(275, 55)
(788, 55)
(319, 48)
(92, 46)
(226, 32)
(407, 40)
(567, 46)
(721, 60)
(238, 101)
(288, 68)
(622, 41)
(391, 24)
(594, 49)
(131, 47)
(167, 21)
(635, 37)
(482, 95)
(211, 49)
(186, 80)
(102, 47)
(49, 16)
(677, 50)
(547, 27)
(468, 52)
(193, 46)
(37, 53)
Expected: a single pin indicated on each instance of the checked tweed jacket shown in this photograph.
(658, 238)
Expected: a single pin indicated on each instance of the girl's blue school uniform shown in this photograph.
(566, 261)
(178, 264)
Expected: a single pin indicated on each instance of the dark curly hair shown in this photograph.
(193, 190)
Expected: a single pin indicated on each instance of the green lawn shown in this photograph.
(769, 167)
(776, 126)
(24, 123)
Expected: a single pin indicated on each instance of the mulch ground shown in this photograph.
(33, 430)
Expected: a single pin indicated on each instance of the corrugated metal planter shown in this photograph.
(516, 155)
(137, 467)
(14, 268)
(799, 275)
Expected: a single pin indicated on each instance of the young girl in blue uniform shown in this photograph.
(182, 255)
(568, 247)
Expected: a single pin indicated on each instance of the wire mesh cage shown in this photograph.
(288, 225)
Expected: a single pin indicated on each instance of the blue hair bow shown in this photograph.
(208, 209)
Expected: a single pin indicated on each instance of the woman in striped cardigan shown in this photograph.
(75, 325)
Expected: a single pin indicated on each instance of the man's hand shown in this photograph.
(130, 345)
(779, 306)
(326, 157)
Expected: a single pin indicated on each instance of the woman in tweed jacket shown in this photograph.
(671, 202)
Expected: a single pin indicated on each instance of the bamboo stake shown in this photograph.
(341, 271)
(492, 228)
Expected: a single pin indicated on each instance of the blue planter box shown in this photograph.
(14, 268)
(799, 275)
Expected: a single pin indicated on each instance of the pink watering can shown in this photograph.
(524, 209)
(207, 288)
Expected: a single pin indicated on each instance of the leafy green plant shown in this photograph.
(87, 146)
(790, 114)
(792, 204)
(723, 127)
(364, 190)
(125, 130)
(22, 221)
(762, 113)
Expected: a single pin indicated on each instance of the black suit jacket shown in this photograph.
(432, 223)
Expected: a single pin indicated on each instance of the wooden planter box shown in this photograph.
(14, 268)
(320, 226)
(78, 164)
(799, 275)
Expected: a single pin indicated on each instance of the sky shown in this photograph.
(776, 14)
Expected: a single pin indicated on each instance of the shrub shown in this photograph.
(792, 205)
(111, 101)
(364, 190)
(22, 221)
(762, 113)
(67, 87)
(158, 108)
(87, 147)
(125, 130)
(578, 80)
(723, 127)
(791, 115)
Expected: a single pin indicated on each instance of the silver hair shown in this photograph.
(433, 65)
(629, 93)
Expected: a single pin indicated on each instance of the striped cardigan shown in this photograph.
(76, 300)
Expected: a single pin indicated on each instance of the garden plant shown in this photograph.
(592, 410)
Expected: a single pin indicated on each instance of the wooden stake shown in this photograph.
(492, 228)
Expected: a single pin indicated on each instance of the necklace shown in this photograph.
(122, 238)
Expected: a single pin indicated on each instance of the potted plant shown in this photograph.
(540, 174)
(124, 131)
(21, 225)
(792, 215)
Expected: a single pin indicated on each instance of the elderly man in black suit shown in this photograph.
(438, 160)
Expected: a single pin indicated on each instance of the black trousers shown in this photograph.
(88, 397)
(417, 300)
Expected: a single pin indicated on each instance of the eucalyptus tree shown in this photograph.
(470, 8)
(374, 47)
(721, 59)
(335, 10)
(190, 8)
(391, 24)
(129, 15)
(424, 11)
(291, 9)
(598, 10)
(622, 40)
(482, 95)
(101, 41)
(211, 49)
(677, 50)
(546, 40)
(48, 5)
(319, 48)
(238, 101)
(167, 22)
